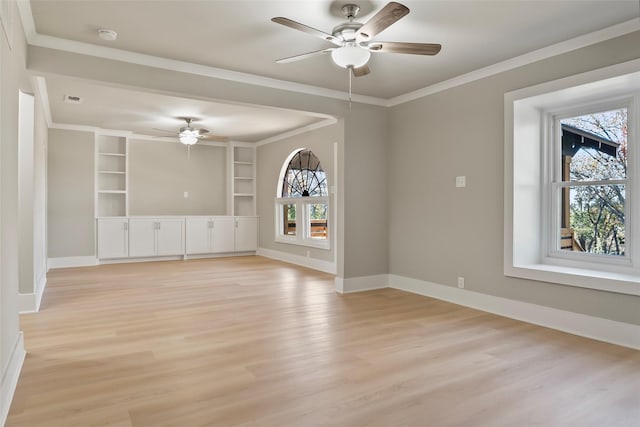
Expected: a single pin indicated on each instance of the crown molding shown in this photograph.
(105, 52)
(40, 40)
(304, 129)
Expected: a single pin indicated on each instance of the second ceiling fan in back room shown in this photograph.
(353, 40)
(189, 135)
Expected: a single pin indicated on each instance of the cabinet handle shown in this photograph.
(125, 226)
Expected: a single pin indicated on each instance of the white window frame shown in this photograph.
(303, 231)
(530, 218)
(552, 194)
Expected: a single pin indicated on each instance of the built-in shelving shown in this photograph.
(243, 185)
(111, 176)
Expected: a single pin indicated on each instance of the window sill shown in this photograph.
(307, 242)
(623, 283)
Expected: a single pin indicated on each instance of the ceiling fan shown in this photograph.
(189, 135)
(353, 39)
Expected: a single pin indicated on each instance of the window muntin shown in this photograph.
(304, 177)
(302, 205)
(590, 188)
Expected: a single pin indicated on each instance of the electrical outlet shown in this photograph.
(461, 282)
(461, 181)
(186, 194)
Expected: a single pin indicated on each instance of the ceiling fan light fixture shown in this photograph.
(188, 137)
(350, 56)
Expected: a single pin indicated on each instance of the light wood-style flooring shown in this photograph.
(253, 342)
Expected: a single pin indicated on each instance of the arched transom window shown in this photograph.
(302, 205)
(304, 177)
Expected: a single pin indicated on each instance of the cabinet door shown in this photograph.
(113, 238)
(222, 235)
(198, 238)
(246, 234)
(170, 237)
(142, 237)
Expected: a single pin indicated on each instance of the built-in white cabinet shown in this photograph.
(246, 238)
(206, 235)
(111, 175)
(150, 237)
(113, 238)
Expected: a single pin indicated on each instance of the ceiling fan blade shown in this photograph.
(401, 47)
(165, 130)
(306, 29)
(361, 71)
(216, 138)
(389, 14)
(304, 56)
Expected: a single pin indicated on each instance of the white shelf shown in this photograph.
(111, 183)
(112, 154)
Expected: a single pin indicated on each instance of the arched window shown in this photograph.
(302, 203)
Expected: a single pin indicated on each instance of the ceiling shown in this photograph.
(123, 109)
(239, 36)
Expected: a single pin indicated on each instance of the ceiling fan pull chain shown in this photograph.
(349, 71)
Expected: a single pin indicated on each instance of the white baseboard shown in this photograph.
(10, 377)
(30, 303)
(71, 261)
(363, 283)
(316, 264)
(624, 334)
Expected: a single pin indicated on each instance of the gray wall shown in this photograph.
(363, 174)
(160, 172)
(270, 159)
(439, 232)
(71, 173)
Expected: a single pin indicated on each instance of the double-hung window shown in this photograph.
(588, 208)
(302, 202)
(572, 190)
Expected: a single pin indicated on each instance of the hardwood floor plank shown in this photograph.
(253, 342)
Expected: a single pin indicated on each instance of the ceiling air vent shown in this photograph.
(70, 99)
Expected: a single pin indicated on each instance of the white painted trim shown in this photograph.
(98, 51)
(362, 283)
(26, 16)
(140, 259)
(610, 331)
(30, 303)
(328, 122)
(313, 263)
(10, 377)
(72, 261)
(520, 61)
(43, 94)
